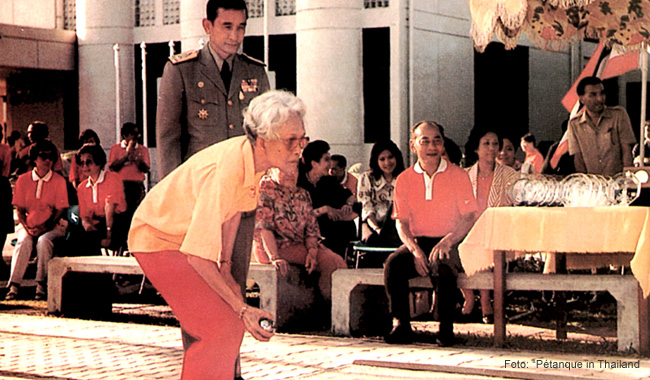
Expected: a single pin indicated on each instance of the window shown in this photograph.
(376, 84)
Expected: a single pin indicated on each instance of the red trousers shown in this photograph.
(216, 328)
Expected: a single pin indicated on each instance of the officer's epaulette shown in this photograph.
(253, 60)
(184, 56)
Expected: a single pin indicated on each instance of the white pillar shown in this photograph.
(329, 72)
(192, 14)
(100, 25)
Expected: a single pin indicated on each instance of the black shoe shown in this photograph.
(446, 340)
(13, 292)
(488, 319)
(401, 334)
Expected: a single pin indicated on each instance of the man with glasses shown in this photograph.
(203, 92)
(434, 208)
(41, 199)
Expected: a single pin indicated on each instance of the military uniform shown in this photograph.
(194, 108)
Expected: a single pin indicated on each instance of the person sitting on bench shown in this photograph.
(434, 208)
(41, 198)
(286, 230)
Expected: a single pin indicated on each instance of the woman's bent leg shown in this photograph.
(215, 330)
(328, 262)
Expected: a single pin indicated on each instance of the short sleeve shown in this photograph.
(465, 200)
(62, 194)
(400, 199)
(364, 195)
(20, 192)
(116, 193)
(112, 155)
(626, 134)
(265, 213)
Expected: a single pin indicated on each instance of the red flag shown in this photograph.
(618, 63)
(604, 63)
(571, 97)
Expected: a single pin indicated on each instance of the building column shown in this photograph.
(329, 72)
(192, 15)
(100, 25)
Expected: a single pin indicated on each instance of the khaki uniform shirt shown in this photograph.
(602, 144)
(194, 108)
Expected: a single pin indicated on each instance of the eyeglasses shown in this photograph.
(86, 163)
(293, 142)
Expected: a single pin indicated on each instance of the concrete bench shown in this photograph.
(346, 312)
(288, 298)
(60, 266)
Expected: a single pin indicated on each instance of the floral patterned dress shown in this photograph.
(287, 212)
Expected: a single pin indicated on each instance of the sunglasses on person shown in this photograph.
(86, 162)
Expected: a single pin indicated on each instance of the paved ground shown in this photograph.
(37, 347)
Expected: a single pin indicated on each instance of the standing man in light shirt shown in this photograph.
(600, 137)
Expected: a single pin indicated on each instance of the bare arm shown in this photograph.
(213, 276)
(271, 250)
(228, 235)
(109, 210)
(441, 250)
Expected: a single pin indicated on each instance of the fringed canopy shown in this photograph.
(553, 24)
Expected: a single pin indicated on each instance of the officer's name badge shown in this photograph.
(249, 85)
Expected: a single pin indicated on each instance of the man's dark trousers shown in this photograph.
(400, 268)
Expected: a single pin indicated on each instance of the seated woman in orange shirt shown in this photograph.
(88, 136)
(286, 230)
(101, 197)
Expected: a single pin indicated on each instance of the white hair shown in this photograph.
(270, 110)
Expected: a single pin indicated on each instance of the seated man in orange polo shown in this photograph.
(434, 208)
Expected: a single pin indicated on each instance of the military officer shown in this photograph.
(203, 92)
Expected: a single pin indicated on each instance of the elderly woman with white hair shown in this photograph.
(184, 230)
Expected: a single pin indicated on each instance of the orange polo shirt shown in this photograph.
(433, 208)
(40, 201)
(129, 171)
(108, 189)
(186, 210)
